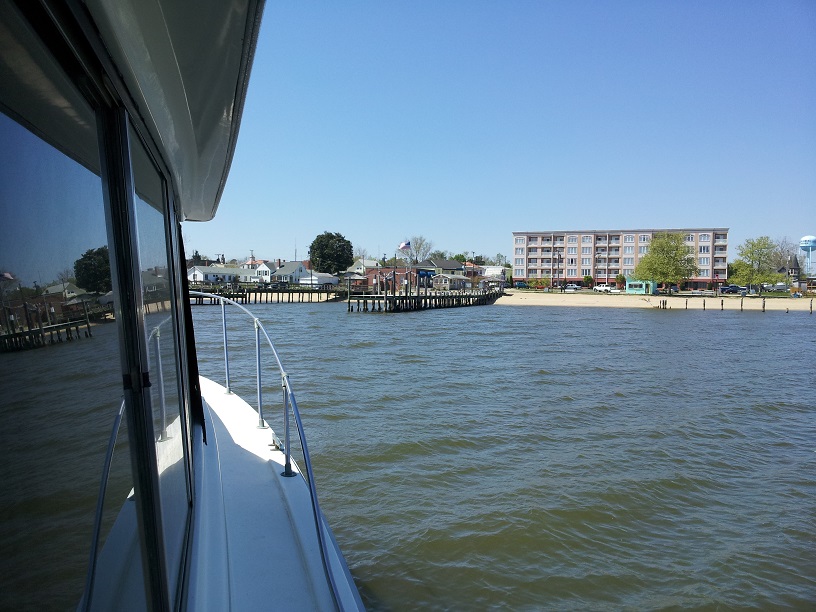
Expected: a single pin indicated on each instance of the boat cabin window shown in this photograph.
(60, 381)
(89, 303)
(158, 316)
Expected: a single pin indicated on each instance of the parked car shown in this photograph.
(521, 285)
(572, 287)
(732, 289)
(603, 288)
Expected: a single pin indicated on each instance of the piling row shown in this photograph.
(42, 336)
(410, 303)
(271, 296)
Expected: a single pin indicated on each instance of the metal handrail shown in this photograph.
(85, 603)
(155, 334)
(289, 401)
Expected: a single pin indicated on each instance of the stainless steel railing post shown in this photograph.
(226, 350)
(261, 422)
(287, 468)
(157, 347)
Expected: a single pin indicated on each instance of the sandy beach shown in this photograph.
(515, 297)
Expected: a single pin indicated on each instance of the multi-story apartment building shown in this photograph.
(603, 254)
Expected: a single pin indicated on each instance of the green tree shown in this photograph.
(668, 261)
(589, 281)
(92, 270)
(759, 256)
(620, 280)
(331, 252)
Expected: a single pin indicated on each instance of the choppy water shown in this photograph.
(551, 458)
(480, 458)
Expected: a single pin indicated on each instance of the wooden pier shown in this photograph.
(44, 335)
(413, 302)
(272, 296)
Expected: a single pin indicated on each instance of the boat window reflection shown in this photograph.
(160, 337)
(60, 387)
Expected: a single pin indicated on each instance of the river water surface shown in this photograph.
(553, 458)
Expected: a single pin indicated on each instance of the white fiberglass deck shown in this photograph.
(254, 523)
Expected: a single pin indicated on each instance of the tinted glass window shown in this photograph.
(160, 338)
(61, 385)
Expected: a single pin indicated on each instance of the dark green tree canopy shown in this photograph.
(331, 252)
(668, 260)
(92, 270)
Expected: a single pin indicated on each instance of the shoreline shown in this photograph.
(593, 299)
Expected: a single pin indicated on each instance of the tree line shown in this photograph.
(759, 260)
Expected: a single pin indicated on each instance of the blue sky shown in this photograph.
(465, 121)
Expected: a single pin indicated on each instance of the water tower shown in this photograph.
(808, 245)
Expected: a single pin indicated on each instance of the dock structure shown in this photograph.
(385, 302)
(43, 335)
(271, 296)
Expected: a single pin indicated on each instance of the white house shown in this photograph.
(361, 266)
(290, 272)
(318, 279)
(213, 274)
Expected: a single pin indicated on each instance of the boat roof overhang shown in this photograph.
(186, 67)
(182, 70)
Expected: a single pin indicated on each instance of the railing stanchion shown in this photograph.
(226, 350)
(261, 423)
(288, 400)
(163, 435)
(287, 468)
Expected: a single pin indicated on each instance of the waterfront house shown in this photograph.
(450, 282)
(290, 272)
(212, 274)
(362, 266)
(442, 266)
(66, 290)
(317, 280)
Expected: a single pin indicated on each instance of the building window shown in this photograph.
(572, 239)
(689, 238)
(645, 238)
(532, 250)
(586, 239)
(586, 272)
(519, 250)
(571, 261)
(705, 237)
(629, 238)
(533, 239)
(628, 261)
(628, 271)
(532, 261)
(519, 240)
(572, 250)
(704, 261)
(518, 272)
(705, 249)
(532, 273)
(519, 261)
(586, 261)
(643, 250)
(586, 250)
(628, 249)
(705, 273)
(572, 272)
